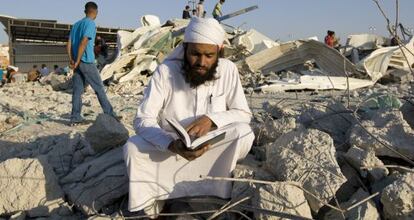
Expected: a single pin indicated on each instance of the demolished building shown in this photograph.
(315, 157)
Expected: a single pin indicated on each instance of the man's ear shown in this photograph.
(221, 51)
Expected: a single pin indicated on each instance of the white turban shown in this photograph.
(200, 31)
(204, 31)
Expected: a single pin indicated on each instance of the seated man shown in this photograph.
(203, 92)
(33, 75)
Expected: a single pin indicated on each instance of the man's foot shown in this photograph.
(76, 121)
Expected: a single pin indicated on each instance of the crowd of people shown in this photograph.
(199, 10)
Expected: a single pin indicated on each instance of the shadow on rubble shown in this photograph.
(28, 183)
(32, 149)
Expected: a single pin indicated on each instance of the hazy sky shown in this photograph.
(278, 19)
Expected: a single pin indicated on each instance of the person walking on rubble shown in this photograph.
(217, 12)
(80, 49)
(203, 92)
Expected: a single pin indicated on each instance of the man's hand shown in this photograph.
(73, 64)
(179, 148)
(200, 127)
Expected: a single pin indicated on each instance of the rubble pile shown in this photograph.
(318, 154)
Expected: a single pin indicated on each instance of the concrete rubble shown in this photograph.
(367, 211)
(359, 158)
(281, 197)
(29, 184)
(389, 130)
(314, 138)
(398, 198)
(106, 132)
(307, 157)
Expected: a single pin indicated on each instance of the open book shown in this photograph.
(211, 137)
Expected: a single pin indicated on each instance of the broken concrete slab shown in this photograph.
(397, 76)
(67, 152)
(98, 182)
(147, 63)
(30, 185)
(106, 132)
(389, 127)
(278, 110)
(307, 157)
(271, 129)
(358, 158)
(60, 82)
(295, 53)
(377, 63)
(316, 83)
(398, 198)
(254, 41)
(248, 169)
(116, 67)
(327, 117)
(365, 211)
(366, 41)
(281, 197)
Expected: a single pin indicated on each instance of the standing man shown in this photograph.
(202, 92)
(217, 9)
(200, 9)
(81, 53)
(186, 12)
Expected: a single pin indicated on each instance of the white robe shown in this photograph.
(157, 174)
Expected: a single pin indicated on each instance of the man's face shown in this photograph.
(200, 64)
(201, 57)
(93, 13)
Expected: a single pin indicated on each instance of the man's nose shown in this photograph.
(202, 61)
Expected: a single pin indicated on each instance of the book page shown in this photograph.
(181, 132)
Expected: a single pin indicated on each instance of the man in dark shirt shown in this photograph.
(186, 12)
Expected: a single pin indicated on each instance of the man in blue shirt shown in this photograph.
(80, 49)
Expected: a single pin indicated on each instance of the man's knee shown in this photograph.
(244, 131)
(130, 147)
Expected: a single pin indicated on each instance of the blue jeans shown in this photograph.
(85, 74)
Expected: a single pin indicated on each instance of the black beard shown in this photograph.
(195, 79)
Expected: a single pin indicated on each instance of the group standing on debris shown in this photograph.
(200, 12)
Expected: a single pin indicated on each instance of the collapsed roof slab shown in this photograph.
(295, 53)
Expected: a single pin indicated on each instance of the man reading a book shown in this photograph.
(203, 93)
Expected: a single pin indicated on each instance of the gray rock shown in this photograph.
(281, 197)
(358, 158)
(278, 110)
(271, 130)
(332, 118)
(60, 82)
(106, 132)
(398, 198)
(389, 127)
(29, 185)
(307, 157)
(98, 182)
(248, 169)
(365, 211)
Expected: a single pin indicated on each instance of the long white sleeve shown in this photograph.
(146, 123)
